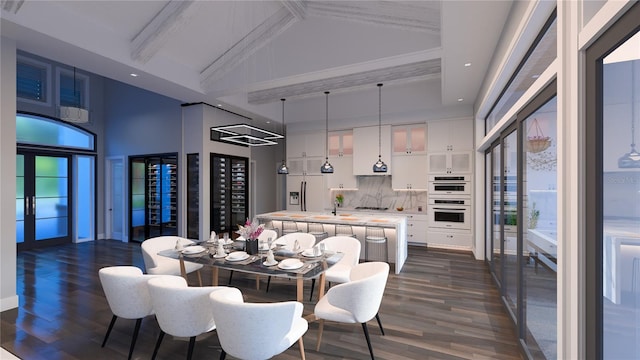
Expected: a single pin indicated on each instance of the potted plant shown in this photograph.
(534, 214)
(339, 199)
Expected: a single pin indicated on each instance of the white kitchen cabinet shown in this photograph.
(365, 149)
(449, 162)
(450, 135)
(340, 144)
(305, 165)
(342, 177)
(409, 139)
(417, 229)
(449, 239)
(409, 172)
(305, 145)
(305, 153)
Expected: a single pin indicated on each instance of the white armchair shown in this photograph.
(350, 248)
(271, 328)
(162, 265)
(356, 301)
(125, 288)
(181, 310)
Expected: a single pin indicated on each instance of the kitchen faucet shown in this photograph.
(335, 207)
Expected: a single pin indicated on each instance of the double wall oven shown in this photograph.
(449, 204)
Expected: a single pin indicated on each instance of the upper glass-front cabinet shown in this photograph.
(340, 143)
(409, 139)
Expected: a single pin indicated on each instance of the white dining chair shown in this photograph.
(161, 265)
(356, 301)
(181, 310)
(125, 288)
(256, 330)
(350, 247)
(288, 242)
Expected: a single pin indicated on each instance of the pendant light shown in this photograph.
(283, 169)
(631, 160)
(379, 166)
(326, 168)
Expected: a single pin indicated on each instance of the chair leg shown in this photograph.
(230, 277)
(380, 323)
(134, 337)
(155, 350)
(313, 285)
(320, 328)
(192, 342)
(366, 335)
(301, 343)
(106, 336)
(268, 283)
(223, 354)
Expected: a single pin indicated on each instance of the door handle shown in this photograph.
(33, 205)
(27, 206)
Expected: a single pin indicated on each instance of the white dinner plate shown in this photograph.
(237, 256)
(309, 253)
(220, 256)
(190, 250)
(290, 264)
(270, 264)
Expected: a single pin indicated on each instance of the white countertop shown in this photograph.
(381, 219)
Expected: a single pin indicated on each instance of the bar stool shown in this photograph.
(317, 230)
(375, 236)
(289, 227)
(345, 230)
(268, 225)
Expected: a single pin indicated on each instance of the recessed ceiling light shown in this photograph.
(268, 121)
(535, 76)
(460, 99)
(467, 64)
(134, 75)
(219, 105)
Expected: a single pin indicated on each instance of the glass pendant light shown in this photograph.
(326, 168)
(379, 166)
(283, 169)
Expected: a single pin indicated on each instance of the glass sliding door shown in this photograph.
(496, 214)
(539, 231)
(612, 190)
(509, 220)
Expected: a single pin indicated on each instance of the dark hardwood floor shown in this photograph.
(442, 306)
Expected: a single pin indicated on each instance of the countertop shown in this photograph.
(382, 219)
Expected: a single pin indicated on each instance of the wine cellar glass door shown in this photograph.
(154, 196)
(229, 193)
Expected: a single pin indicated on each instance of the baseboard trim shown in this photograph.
(9, 303)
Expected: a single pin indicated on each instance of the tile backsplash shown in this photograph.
(376, 191)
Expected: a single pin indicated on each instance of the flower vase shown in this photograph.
(251, 246)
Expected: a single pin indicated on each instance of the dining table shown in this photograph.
(314, 265)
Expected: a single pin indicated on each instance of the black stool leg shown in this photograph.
(223, 354)
(106, 336)
(155, 351)
(230, 277)
(134, 338)
(268, 283)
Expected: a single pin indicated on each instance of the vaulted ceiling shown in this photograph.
(247, 55)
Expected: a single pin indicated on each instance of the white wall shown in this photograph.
(8, 296)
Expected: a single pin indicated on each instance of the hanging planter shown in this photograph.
(538, 142)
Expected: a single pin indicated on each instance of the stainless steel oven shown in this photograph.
(449, 212)
(449, 185)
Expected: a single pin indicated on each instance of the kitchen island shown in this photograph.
(395, 228)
